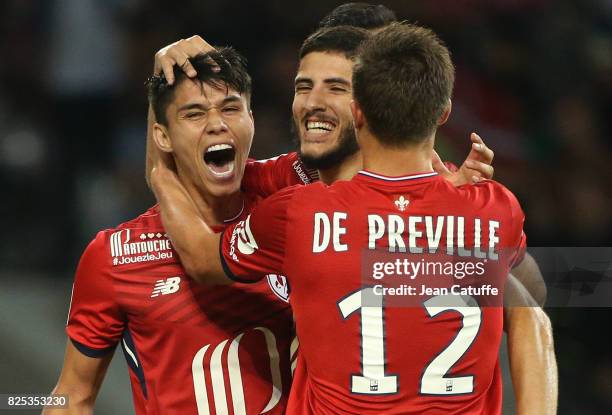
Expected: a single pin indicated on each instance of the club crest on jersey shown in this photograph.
(167, 286)
(279, 286)
(146, 247)
(402, 203)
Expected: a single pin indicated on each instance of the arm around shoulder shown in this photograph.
(194, 241)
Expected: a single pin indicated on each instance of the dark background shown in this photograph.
(534, 78)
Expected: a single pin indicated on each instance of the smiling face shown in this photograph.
(210, 130)
(321, 109)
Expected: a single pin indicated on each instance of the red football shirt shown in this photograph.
(191, 349)
(359, 355)
(266, 177)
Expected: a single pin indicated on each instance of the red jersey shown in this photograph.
(266, 177)
(358, 355)
(191, 348)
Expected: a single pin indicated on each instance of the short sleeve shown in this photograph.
(266, 177)
(521, 248)
(95, 321)
(518, 238)
(255, 247)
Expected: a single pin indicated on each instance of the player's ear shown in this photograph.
(162, 138)
(446, 113)
(252, 132)
(358, 117)
(251, 115)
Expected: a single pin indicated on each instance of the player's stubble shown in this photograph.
(346, 146)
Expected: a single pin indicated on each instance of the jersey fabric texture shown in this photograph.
(266, 177)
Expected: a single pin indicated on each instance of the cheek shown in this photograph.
(243, 130)
(297, 107)
(343, 108)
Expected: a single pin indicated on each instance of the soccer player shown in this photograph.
(372, 17)
(529, 331)
(179, 342)
(190, 349)
(396, 116)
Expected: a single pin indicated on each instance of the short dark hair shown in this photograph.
(341, 39)
(365, 15)
(232, 74)
(402, 80)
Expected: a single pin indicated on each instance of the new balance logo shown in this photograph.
(402, 203)
(167, 286)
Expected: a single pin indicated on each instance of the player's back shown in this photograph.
(419, 350)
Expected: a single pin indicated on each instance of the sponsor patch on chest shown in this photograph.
(130, 247)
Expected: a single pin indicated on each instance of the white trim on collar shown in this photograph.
(237, 216)
(396, 179)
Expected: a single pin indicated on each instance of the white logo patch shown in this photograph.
(279, 286)
(167, 286)
(246, 242)
(144, 248)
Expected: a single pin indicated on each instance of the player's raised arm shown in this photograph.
(194, 241)
(533, 364)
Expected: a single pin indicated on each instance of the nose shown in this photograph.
(216, 123)
(315, 100)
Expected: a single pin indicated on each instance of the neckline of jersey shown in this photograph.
(419, 177)
(226, 221)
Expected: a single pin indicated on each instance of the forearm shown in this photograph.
(528, 273)
(80, 402)
(532, 361)
(531, 350)
(151, 157)
(80, 380)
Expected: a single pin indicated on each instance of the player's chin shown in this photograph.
(223, 183)
(316, 149)
(224, 188)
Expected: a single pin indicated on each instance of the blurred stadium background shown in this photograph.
(534, 78)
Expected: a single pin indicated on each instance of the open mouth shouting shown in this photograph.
(220, 160)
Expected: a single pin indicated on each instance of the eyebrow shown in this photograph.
(327, 81)
(301, 79)
(230, 99)
(337, 81)
(196, 105)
